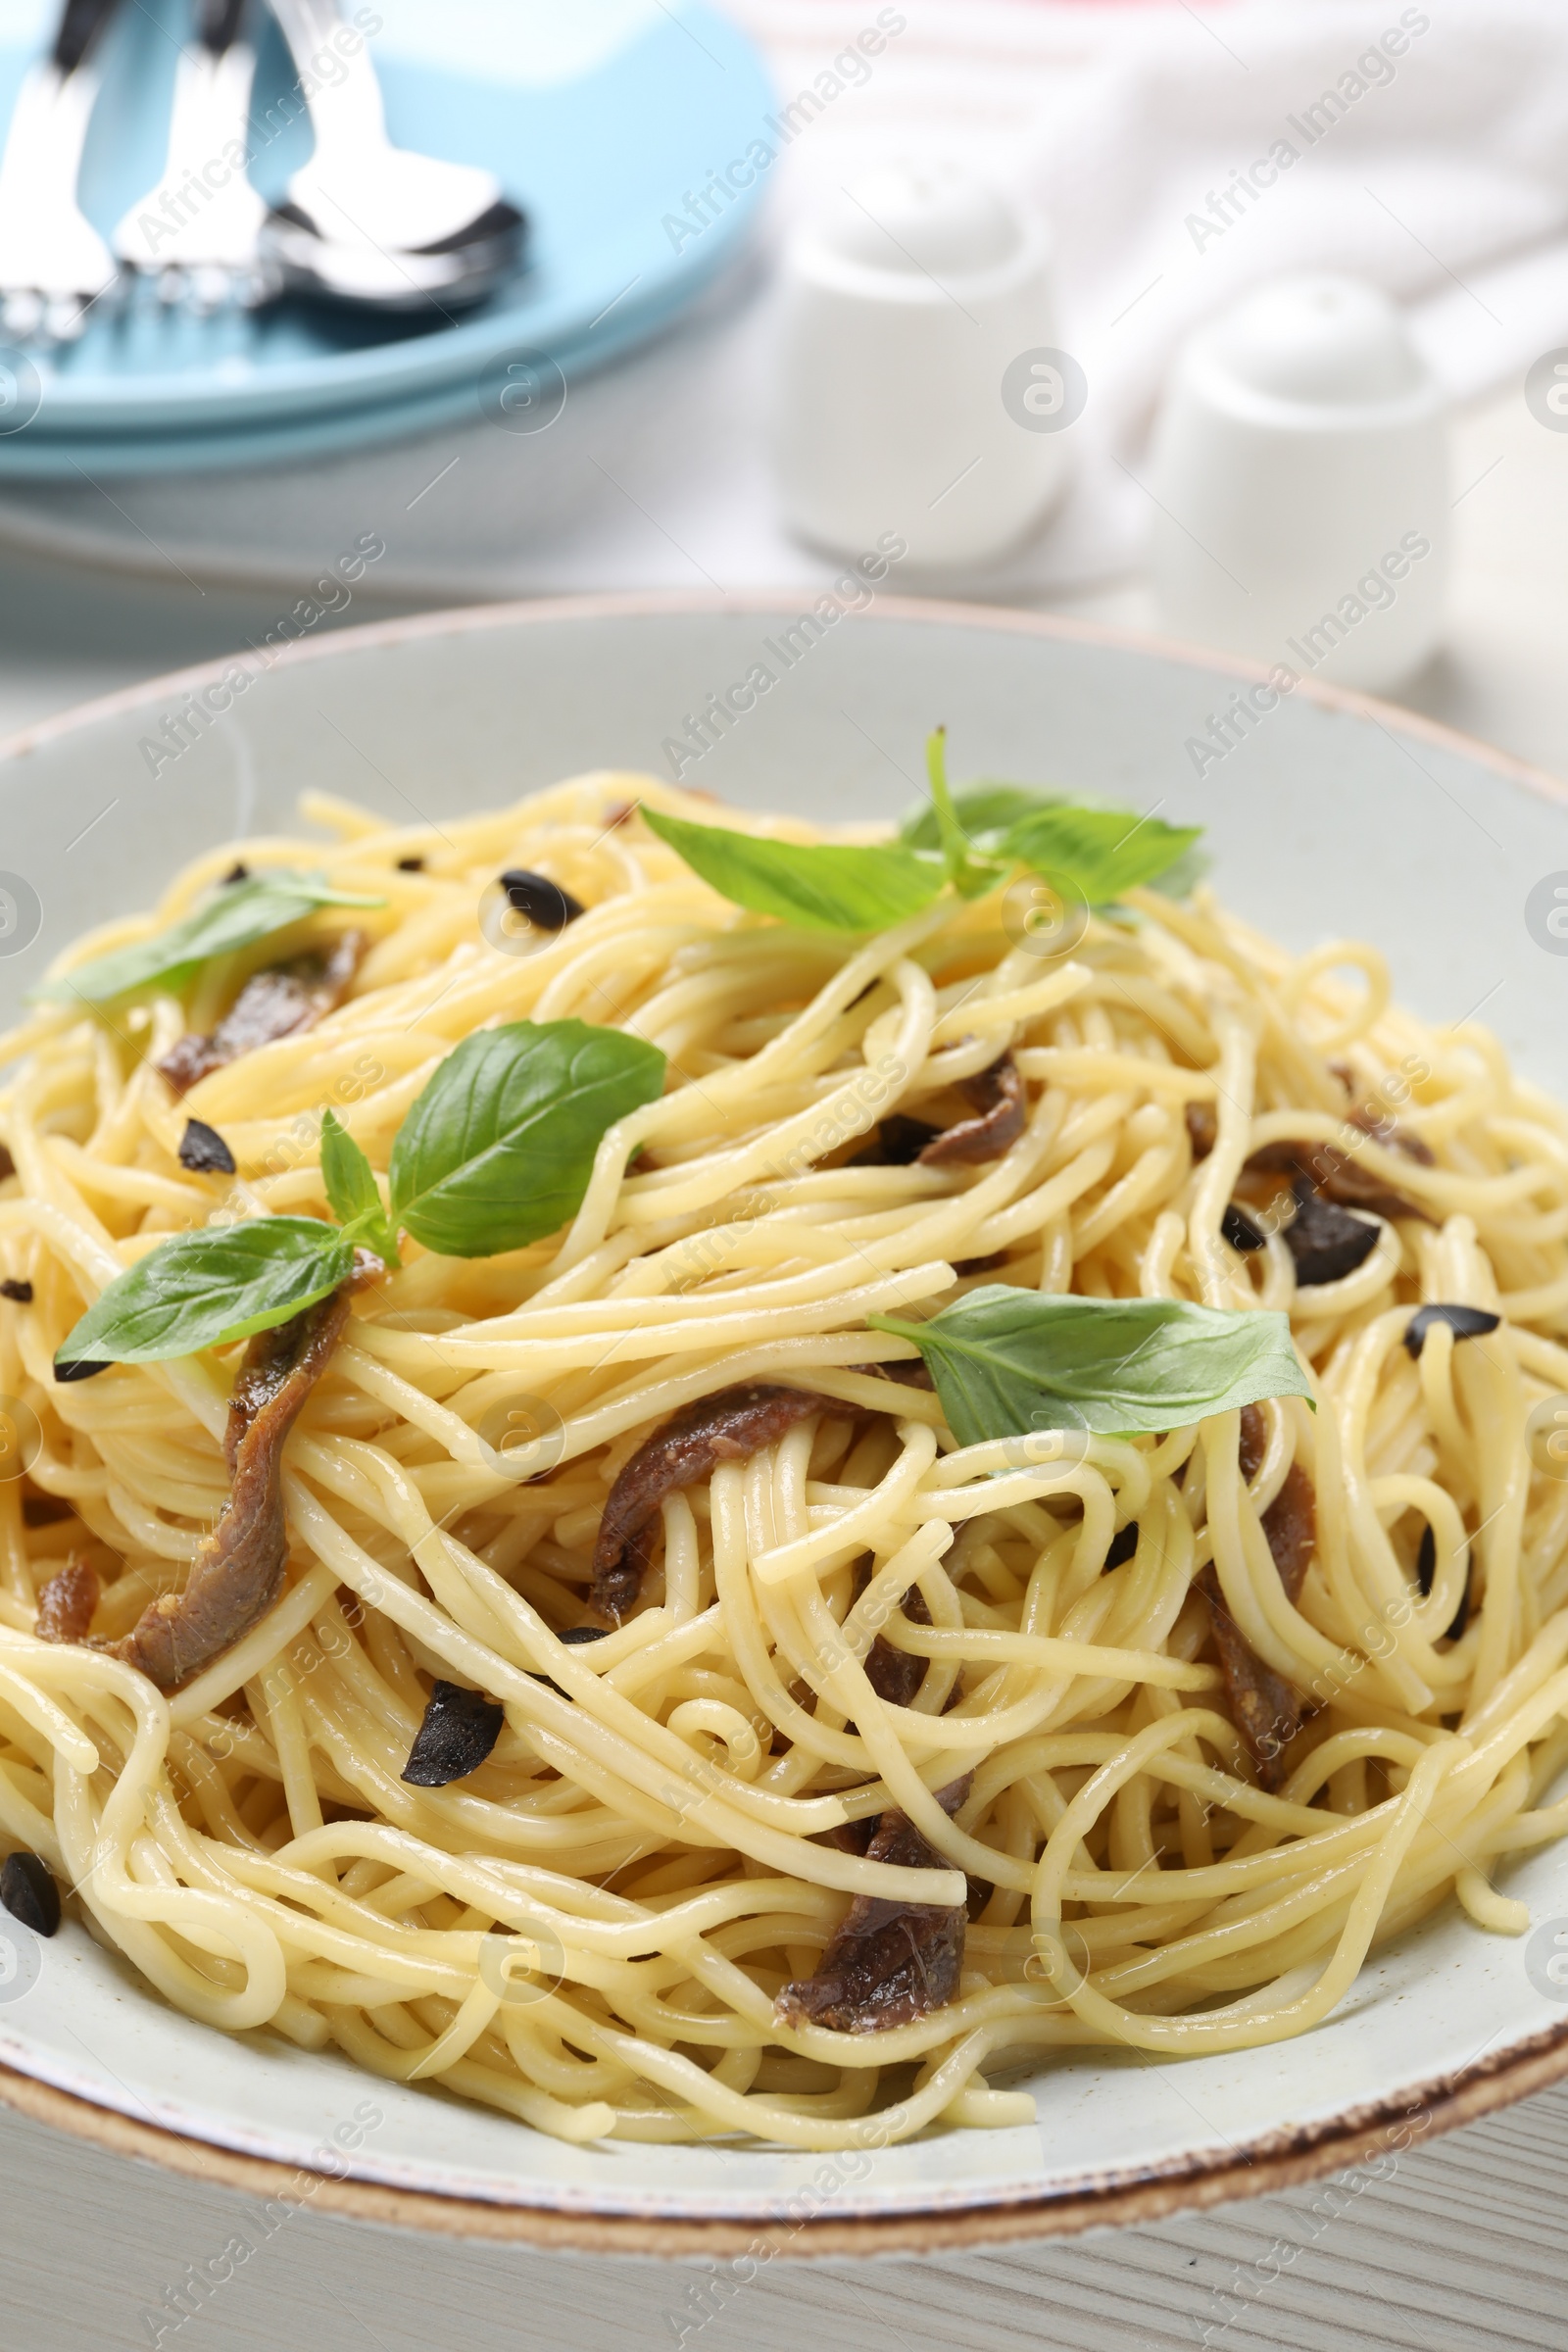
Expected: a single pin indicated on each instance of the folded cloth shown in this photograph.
(1185, 154)
(1423, 148)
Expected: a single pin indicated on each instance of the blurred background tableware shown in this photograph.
(1300, 477)
(54, 265)
(253, 452)
(367, 221)
(665, 154)
(195, 235)
(918, 386)
(592, 122)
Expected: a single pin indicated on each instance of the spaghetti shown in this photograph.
(863, 1675)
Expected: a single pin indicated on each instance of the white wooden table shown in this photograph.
(1465, 2248)
(1461, 2247)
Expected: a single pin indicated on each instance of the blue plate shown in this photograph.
(602, 118)
(516, 377)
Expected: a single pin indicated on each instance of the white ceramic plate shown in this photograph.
(1336, 816)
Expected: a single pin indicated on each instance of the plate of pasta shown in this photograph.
(781, 1467)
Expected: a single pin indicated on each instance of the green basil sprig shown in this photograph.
(986, 812)
(495, 1152)
(1104, 852)
(236, 917)
(498, 1149)
(973, 839)
(1007, 1362)
(972, 876)
(819, 886)
(355, 1196)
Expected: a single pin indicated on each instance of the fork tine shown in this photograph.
(195, 233)
(21, 314)
(81, 27)
(65, 319)
(54, 267)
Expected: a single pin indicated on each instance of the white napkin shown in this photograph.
(1440, 172)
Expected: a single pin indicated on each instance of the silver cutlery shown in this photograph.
(196, 233)
(365, 222)
(54, 266)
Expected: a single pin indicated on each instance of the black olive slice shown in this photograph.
(19, 1293)
(204, 1151)
(460, 1728)
(574, 1637)
(1122, 1546)
(1461, 1615)
(28, 1893)
(545, 904)
(1426, 1568)
(1326, 1241)
(1465, 1323)
(1239, 1230)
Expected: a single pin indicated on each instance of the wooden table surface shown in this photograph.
(1460, 2246)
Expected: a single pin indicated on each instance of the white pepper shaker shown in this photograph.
(904, 306)
(1301, 465)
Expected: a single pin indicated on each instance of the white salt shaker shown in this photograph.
(918, 392)
(1300, 464)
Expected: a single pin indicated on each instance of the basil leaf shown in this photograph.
(1009, 1361)
(347, 1174)
(819, 886)
(985, 811)
(235, 917)
(1179, 881)
(220, 1283)
(498, 1149)
(1103, 851)
(353, 1192)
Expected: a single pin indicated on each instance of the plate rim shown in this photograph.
(783, 602)
(1269, 2163)
(1274, 2162)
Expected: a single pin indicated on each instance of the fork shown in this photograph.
(370, 222)
(54, 266)
(197, 232)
